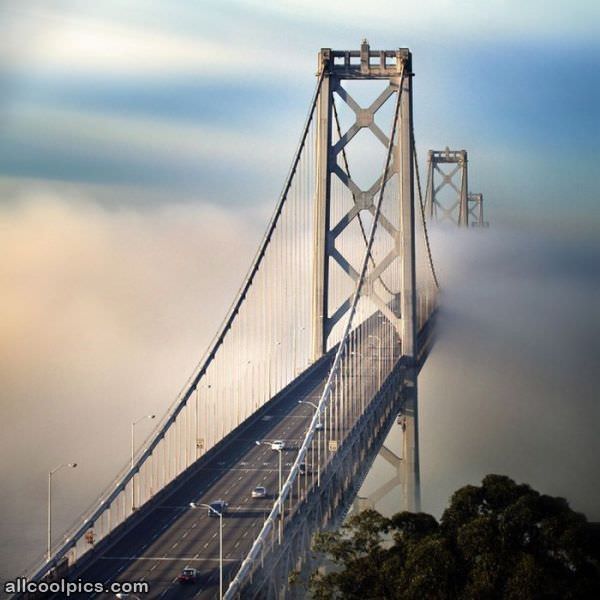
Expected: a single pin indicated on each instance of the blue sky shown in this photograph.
(204, 101)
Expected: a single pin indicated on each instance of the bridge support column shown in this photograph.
(410, 477)
(404, 149)
(456, 210)
(321, 217)
(475, 205)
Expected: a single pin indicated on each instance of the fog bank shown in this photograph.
(105, 314)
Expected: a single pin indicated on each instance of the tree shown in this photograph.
(500, 540)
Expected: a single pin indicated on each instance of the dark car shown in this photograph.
(188, 575)
(218, 506)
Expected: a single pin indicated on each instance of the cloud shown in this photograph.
(69, 143)
(511, 384)
(448, 19)
(80, 43)
(105, 314)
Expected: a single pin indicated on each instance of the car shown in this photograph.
(188, 575)
(277, 445)
(319, 427)
(216, 507)
(259, 492)
(302, 468)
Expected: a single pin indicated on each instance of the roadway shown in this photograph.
(173, 535)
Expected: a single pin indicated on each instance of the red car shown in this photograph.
(188, 575)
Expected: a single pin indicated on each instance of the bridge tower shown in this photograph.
(475, 205)
(455, 208)
(394, 66)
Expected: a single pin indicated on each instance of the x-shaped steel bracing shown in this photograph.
(363, 200)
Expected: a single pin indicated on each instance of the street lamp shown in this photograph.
(220, 515)
(279, 450)
(133, 424)
(50, 473)
(319, 425)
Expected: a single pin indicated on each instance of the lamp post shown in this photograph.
(133, 424)
(50, 473)
(279, 450)
(378, 359)
(319, 428)
(319, 424)
(220, 515)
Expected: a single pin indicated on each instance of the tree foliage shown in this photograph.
(498, 540)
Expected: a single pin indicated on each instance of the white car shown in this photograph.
(277, 445)
(259, 492)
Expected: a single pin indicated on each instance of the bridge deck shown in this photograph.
(171, 535)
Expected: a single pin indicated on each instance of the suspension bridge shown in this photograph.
(319, 352)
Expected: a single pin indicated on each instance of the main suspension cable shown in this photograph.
(422, 207)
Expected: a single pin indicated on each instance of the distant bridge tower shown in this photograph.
(475, 204)
(453, 208)
(335, 66)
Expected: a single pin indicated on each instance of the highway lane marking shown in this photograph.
(184, 535)
(169, 559)
(245, 470)
(175, 545)
(232, 469)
